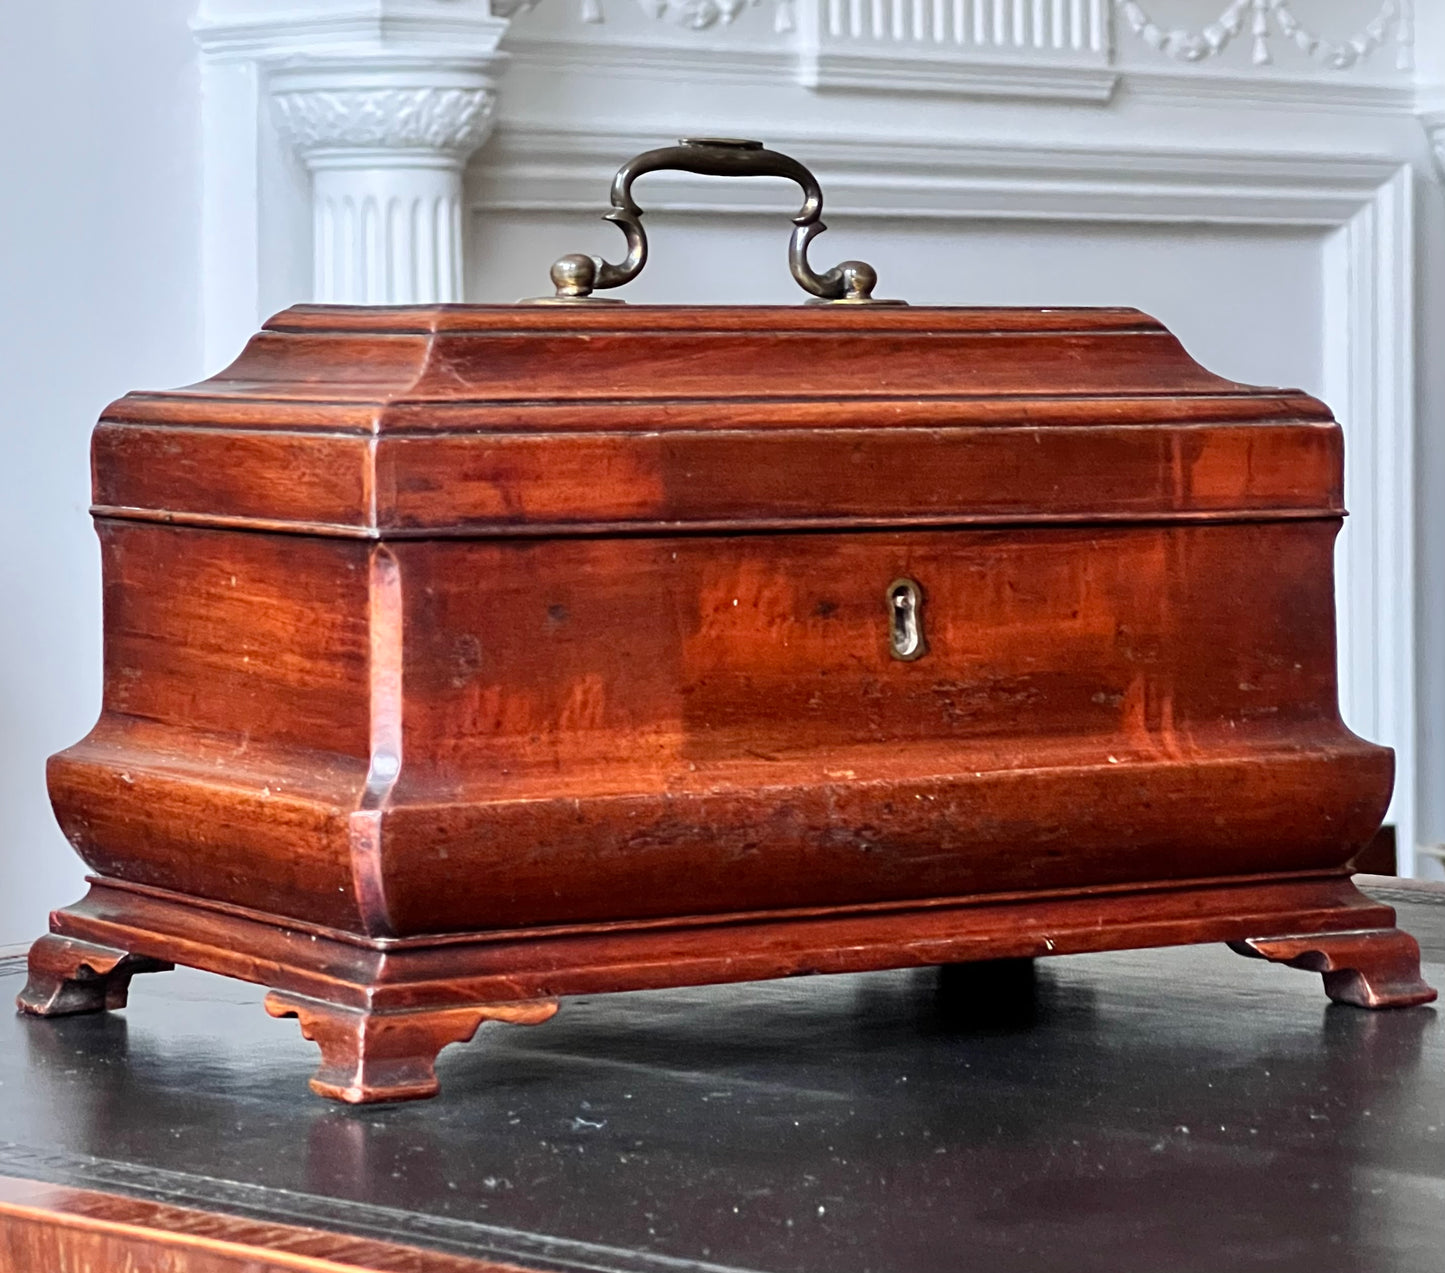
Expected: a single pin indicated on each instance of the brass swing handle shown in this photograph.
(576, 276)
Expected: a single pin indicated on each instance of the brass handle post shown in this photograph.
(576, 276)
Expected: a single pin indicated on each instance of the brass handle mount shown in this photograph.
(576, 276)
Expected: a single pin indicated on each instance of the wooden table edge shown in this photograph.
(46, 1226)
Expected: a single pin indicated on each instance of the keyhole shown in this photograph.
(905, 620)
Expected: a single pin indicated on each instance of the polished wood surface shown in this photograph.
(458, 659)
(365, 1053)
(608, 711)
(382, 1012)
(1375, 968)
(1178, 1109)
(503, 419)
(46, 1228)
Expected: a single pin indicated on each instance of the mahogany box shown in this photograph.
(460, 658)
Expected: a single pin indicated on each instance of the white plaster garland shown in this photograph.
(1264, 20)
(1267, 18)
(695, 15)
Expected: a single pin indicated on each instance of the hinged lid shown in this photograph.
(578, 414)
(503, 419)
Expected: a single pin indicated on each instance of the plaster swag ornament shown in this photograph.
(1269, 18)
(698, 15)
(1023, 24)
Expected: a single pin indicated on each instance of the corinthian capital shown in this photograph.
(384, 101)
(338, 112)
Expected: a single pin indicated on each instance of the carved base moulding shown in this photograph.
(382, 1009)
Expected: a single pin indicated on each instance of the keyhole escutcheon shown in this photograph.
(905, 620)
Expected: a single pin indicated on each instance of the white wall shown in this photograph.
(99, 293)
(1430, 516)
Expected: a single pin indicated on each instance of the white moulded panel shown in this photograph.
(1043, 49)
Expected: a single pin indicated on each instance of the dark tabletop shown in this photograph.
(1170, 1110)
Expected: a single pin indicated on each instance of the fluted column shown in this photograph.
(386, 145)
(384, 101)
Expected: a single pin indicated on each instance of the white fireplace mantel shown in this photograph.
(369, 109)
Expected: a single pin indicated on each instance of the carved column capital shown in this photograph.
(342, 113)
(384, 101)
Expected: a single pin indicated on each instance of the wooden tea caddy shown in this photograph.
(461, 658)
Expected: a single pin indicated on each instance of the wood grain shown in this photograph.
(460, 657)
(497, 418)
(383, 1009)
(1374, 968)
(607, 710)
(46, 1227)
